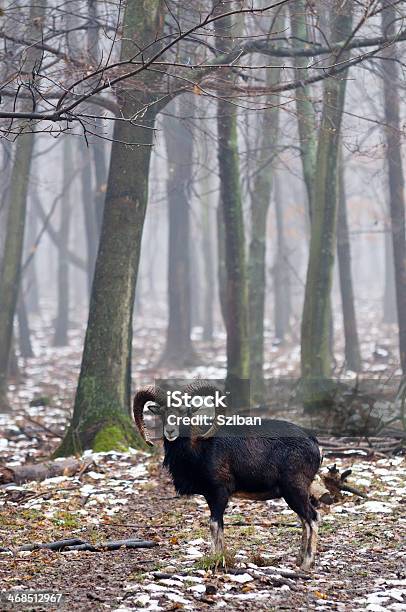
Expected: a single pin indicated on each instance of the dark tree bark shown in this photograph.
(306, 118)
(97, 150)
(208, 225)
(236, 287)
(30, 274)
(10, 271)
(89, 214)
(179, 351)
(316, 319)
(196, 275)
(260, 201)
(62, 317)
(221, 262)
(11, 263)
(281, 277)
(24, 335)
(101, 412)
(352, 351)
(389, 295)
(393, 132)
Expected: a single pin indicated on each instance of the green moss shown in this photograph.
(110, 437)
(66, 519)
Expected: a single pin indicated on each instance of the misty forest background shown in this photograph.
(208, 189)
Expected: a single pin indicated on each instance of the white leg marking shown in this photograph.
(312, 533)
(303, 544)
(217, 537)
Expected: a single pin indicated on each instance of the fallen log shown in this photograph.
(113, 545)
(78, 544)
(58, 545)
(19, 474)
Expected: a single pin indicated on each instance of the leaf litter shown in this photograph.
(361, 563)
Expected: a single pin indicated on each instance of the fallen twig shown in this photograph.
(78, 544)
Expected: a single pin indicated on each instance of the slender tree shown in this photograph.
(179, 351)
(89, 213)
(306, 117)
(395, 169)
(352, 350)
(62, 316)
(208, 246)
(389, 295)
(24, 335)
(315, 346)
(236, 291)
(281, 278)
(260, 200)
(10, 271)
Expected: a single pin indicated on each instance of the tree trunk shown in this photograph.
(89, 214)
(62, 317)
(208, 255)
(262, 188)
(101, 412)
(179, 352)
(393, 130)
(221, 261)
(236, 291)
(282, 302)
(352, 351)
(24, 336)
(10, 272)
(31, 276)
(306, 119)
(389, 296)
(97, 149)
(315, 345)
(11, 263)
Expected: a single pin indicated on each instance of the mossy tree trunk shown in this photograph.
(315, 344)
(352, 350)
(10, 272)
(262, 189)
(236, 287)
(393, 131)
(101, 413)
(179, 351)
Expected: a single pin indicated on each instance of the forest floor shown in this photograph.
(361, 563)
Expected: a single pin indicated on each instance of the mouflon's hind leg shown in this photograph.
(310, 554)
(298, 500)
(303, 546)
(217, 504)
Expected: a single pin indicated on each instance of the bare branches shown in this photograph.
(58, 101)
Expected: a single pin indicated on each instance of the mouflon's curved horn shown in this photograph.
(147, 394)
